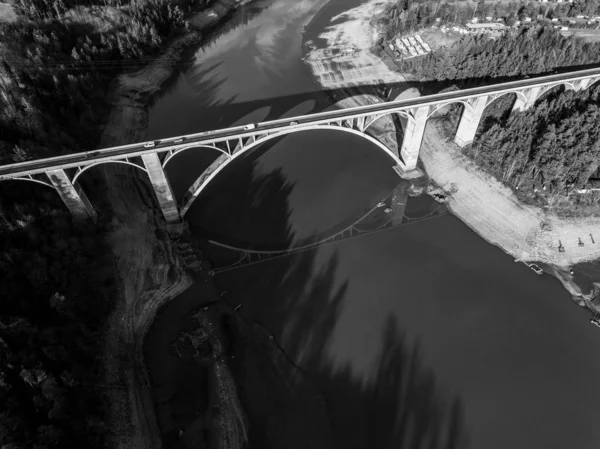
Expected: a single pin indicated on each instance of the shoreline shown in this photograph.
(532, 235)
(151, 269)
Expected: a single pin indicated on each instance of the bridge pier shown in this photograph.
(72, 195)
(469, 121)
(162, 188)
(531, 95)
(413, 137)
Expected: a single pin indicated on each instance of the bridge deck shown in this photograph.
(138, 149)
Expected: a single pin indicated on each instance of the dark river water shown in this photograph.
(502, 355)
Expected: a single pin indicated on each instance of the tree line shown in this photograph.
(55, 72)
(410, 15)
(58, 277)
(58, 287)
(555, 144)
(525, 51)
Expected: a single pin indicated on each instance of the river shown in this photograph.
(420, 333)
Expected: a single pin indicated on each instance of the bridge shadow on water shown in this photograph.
(206, 108)
(299, 300)
(226, 111)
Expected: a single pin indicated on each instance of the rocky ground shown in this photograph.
(149, 255)
(359, 68)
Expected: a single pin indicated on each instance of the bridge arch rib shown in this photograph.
(211, 172)
(371, 120)
(520, 96)
(465, 103)
(30, 178)
(86, 168)
(549, 87)
(174, 153)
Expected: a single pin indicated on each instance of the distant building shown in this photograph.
(486, 27)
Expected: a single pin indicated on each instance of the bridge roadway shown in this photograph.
(138, 149)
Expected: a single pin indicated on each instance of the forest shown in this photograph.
(525, 51)
(58, 287)
(58, 61)
(410, 15)
(59, 282)
(555, 144)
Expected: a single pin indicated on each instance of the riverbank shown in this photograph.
(359, 66)
(345, 72)
(151, 268)
(527, 233)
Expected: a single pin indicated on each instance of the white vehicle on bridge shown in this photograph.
(149, 144)
(250, 126)
(181, 139)
(293, 123)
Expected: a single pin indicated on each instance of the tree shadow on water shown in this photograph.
(300, 299)
(244, 207)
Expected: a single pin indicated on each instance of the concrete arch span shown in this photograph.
(548, 88)
(465, 103)
(370, 121)
(86, 168)
(520, 96)
(177, 152)
(37, 181)
(224, 160)
(591, 83)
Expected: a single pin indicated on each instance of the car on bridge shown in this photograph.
(149, 144)
(293, 123)
(181, 139)
(250, 126)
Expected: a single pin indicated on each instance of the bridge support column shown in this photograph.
(469, 121)
(413, 136)
(162, 188)
(531, 95)
(72, 195)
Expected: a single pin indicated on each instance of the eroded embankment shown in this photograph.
(257, 395)
(151, 269)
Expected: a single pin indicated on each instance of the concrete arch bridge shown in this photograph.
(62, 173)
